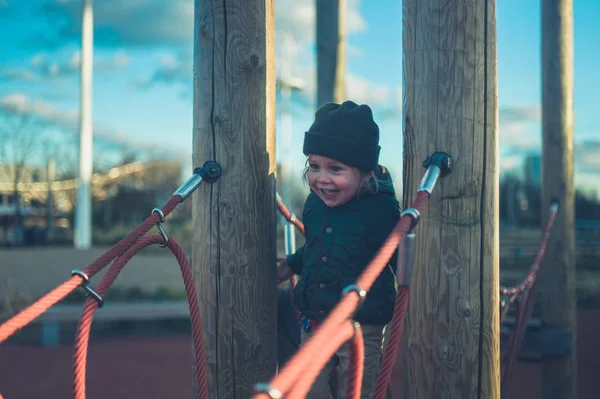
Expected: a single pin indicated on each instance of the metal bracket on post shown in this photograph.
(210, 172)
(290, 238)
(439, 164)
(555, 204)
(406, 250)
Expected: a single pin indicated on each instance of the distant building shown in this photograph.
(126, 192)
(533, 169)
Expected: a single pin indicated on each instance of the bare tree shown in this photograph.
(19, 143)
(19, 138)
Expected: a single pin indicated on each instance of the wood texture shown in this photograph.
(557, 282)
(234, 254)
(331, 51)
(450, 104)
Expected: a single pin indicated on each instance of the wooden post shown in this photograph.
(331, 51)
(234, 251)
(557, 282)
(450, 104)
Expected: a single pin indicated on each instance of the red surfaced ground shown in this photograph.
(161, 368)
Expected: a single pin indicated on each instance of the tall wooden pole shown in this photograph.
(331, 51)
(450, 104)
(557, 285)
(234, 252)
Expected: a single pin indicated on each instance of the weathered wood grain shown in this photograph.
(557, 281)
(234, 252)
(450, 104)
(331, 51)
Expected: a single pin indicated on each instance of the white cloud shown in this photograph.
(587, 155)
(510, 162)
(298, 18)
(16, 74)
(387, 99)
(520, 114)
(42, 66)
(519, 127)
(37, 60)
(172, 22)
(128, 23)
(172, 25)
(19, 103)
(68, 120)
(364, 91)
(172, 69)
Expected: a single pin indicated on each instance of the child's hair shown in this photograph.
(370, 185)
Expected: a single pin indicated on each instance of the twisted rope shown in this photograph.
(326, 339)
(33, 311)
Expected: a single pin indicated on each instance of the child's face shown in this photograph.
(334, 182)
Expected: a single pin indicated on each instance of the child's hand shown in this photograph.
(284, 272)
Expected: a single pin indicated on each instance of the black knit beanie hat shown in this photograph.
(345, 132)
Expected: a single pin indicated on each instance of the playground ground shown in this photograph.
(160, 367)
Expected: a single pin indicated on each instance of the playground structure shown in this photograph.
(233, 110)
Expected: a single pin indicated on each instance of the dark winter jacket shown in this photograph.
(339, 244)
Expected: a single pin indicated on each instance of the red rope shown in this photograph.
(289, 216)
(303, 385)
(90, 306)
(27, 315)
(299, 365)
(393, 344)
(317, 351)
(527, 288)
(533, 271)
(356, 368)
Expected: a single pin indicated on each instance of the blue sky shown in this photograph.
(143, 73)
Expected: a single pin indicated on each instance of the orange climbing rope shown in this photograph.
(90, 306)
(393, 344)
(288, 215)
(335, 329)
(308, 363)
(121, 253)
(302, 369)
(523, 296)
(514, 292)
(33, 311)
(393, 339)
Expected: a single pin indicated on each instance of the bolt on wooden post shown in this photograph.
(234, 251)
(452, 336)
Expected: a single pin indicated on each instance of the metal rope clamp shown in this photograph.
(210, 172)
(438, 164)
(85, 285)
(162, 231)
(263, 387)
(361, 292)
